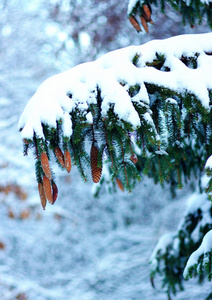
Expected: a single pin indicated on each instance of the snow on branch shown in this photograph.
(123, 101)
(201, 259)
(174, 257)
(52, 100)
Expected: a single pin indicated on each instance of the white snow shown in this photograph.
(206, 1)
(208, 164)
(197, 202)
(161, 152)
(131, 4)
(67, 125)
(171, 101)
(161, 246)
(205, 247)
(51, 102)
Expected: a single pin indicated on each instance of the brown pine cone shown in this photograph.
(96, 171)
(147, 13)
(144, 23)
(42, 195)
(47, 189)
(134, 23)
(45, 165)
(67, 158)
(54, 192)
(59, 155)
(120, 185)
(134, 158)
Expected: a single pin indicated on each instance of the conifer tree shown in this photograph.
(138, 110)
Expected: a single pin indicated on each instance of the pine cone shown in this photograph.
(42, 195)
(144, 23)
(134, 158)
(59, 155)
(47, 189)
(54, 191)
(134, 23)
(147, 12)
(120, 185)
(96, 172)
(45, 165)
(67, 158)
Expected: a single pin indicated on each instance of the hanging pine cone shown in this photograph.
(147, 12)
(42, 195)
(120, 185)
(96, 171)
(45, 165)
(67, 158)
(47, 189)
(146, 16)
(134, 23)
(59, 155)
(54, 192)
(144, 23)
(134, 158)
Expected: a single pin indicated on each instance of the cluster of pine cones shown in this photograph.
(145, 17)
(48, 190)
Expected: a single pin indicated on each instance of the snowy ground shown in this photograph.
(85, 248)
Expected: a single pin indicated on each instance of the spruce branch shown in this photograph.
(192, 12)
(168, 118)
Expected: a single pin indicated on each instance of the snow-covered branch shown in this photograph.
(174, 257)
(114, 74)
(200, 260)
(155, 97)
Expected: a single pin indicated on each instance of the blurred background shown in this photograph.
(81, 248)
